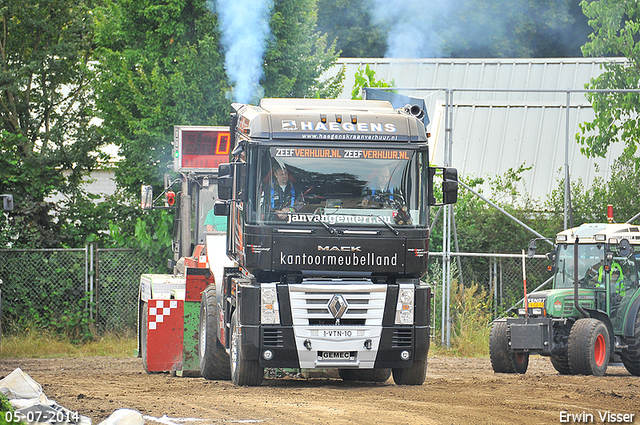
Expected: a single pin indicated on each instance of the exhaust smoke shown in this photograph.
(244, 26)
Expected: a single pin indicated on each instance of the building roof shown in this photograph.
(506, 113)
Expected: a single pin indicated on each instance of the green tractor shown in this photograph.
(598, 265)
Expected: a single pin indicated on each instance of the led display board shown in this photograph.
(200, 148)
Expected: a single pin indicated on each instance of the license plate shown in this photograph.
(336, 356)
(337, 333)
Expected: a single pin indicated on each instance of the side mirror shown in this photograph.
(225, 181)
(624, 248)
(221, 208)
(146, 198)
(449, 185)
(231, 176)
(531, 250)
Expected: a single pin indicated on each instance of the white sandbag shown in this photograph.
(20, 386)
(124, 417)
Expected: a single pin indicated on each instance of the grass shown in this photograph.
(471, 311)
(38, 344)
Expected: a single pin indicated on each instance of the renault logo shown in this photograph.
(337, 306)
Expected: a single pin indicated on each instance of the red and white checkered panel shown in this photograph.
(160, 310)
(165, 335)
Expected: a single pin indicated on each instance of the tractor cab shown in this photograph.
(607, 273)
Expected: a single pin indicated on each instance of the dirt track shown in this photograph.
(457, 391)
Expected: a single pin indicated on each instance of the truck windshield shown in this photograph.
(338, 186)
(590, 259)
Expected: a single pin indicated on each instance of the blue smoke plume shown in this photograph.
(245, 27)
(413, 26)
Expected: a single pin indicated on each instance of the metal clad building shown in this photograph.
(501, 119)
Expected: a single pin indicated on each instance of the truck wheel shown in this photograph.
(589, 347)
(561, 364)
(413, 375)
(243, 371)
(214, 360)
(631, 355)
(370, 375)
(501, 360)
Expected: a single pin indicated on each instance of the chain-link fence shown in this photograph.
(70, 290)
(118, 281)
(500, 276)
(65, 289)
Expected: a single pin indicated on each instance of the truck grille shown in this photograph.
(401, 338)
(272, 337)
(365, 303)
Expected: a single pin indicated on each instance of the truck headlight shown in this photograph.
(269, 308)
(404, 307)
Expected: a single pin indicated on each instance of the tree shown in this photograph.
(48, 140)
(296, 56)
(349, 23)
(160, 66)
(513, 28)
(616, 26)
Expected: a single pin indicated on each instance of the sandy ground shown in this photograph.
(457, 391)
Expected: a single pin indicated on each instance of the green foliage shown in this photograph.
(51, 296)
(151, 233)
(296, 56)
(471, 312)
(367, 78)
(5, 407)
(589, 205)
(47, 139)
(482, 228)
(159, 66)
(349, 23)
(616, 26)
(513, 28)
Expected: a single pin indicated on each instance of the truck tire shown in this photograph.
(561, 364)
(243, 371)
(631, 355)
(213, 359)
(501, 360)
(370, 375)
(413, 375)
(589, 348)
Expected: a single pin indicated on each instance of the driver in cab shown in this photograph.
(380, 192)
(279, 197)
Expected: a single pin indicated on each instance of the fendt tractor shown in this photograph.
(596, 264)
(327, 206)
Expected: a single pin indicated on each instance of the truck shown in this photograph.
(590, 317)
(332, 280)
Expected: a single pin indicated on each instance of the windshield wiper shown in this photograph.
(330, 229)
(393, 229)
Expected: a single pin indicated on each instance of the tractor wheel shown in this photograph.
(589, 347)
(370, 375)
(561, 364)
(214, 360)
(631, 355)
(412, 375)
(501, 360)
(243, 371)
